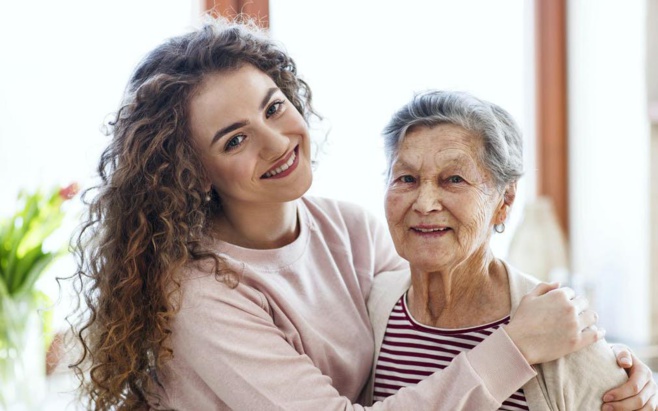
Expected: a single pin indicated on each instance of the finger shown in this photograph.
(587, 319)
(635, 402)
(581, 303)
(623, 355)
(590, 335)
(640, 378)
(652, 404)
(566, 292)
(648, 407)
(543, 288)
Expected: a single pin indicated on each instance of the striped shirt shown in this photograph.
(411, 352)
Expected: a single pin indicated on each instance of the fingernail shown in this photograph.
(607, 407)
(625, 361)
(608, 398)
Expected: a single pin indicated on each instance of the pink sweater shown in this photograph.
(295, 333)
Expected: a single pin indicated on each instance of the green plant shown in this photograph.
(23, 329)
(22, 255)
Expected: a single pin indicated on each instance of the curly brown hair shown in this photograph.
(147, 218)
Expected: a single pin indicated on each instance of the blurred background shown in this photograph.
(581, 79)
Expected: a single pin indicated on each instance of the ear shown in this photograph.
(508, 200)
(206, 184)
(510, 194)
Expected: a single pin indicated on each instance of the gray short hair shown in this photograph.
(503, 142)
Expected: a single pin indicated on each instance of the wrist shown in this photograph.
(517, 336)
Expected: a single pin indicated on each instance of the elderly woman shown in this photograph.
(453, 165)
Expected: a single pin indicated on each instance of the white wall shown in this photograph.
(609, 164)
(364, 59)
(63, 68)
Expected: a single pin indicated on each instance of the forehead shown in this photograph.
(226, 97)
(229, 88)
(446, 140)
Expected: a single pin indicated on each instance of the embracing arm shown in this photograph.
(497, 367)
(229, 353)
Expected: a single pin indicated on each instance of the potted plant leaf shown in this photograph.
(23, 260)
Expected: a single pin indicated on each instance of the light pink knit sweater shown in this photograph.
(295, 333)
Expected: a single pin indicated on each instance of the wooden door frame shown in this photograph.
(259, 10)
(552, 105)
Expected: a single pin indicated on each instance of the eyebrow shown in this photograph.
(402, 163)
(232, 127)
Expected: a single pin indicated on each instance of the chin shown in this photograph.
(426, 266)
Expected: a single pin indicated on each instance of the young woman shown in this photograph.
(211, 282)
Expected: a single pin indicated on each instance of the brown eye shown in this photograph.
(234, 142)
(273, 109)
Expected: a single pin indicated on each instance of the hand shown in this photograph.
(640, 392)
(552, 322)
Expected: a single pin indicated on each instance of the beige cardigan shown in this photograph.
(575, 382)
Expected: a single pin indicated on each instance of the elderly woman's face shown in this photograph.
(440, 202)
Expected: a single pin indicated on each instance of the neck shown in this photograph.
(261, 226)
(473, 292)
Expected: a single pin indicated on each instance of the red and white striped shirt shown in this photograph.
(411, 352)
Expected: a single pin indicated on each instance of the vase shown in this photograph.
(539, 246)
(22, 355)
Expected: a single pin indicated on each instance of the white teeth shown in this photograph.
(430, 230)
(283, 167)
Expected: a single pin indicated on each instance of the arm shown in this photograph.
(496, 368)
(232, 354)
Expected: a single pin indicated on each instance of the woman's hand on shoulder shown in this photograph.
(640, 392)
(551, 322)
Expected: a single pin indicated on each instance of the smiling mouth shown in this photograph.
(430, 230)
(281, 170)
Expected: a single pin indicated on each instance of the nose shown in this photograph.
(428, 198)
(274, 143)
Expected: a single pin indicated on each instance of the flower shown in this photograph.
(22, 256)
(69, 191)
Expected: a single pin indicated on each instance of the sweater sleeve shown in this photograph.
(478, 380)
(235, 357)
(499, 365)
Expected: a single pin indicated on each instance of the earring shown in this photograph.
(499, 228)
(207, 197)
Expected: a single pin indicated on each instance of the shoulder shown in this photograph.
(386, 289)
(200, 289)
(520, 283)
(579, 380)
(337, 209)
(344, 216)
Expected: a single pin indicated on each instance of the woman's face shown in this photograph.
(253, 143)
(441, 203)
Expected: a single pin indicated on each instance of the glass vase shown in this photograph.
(22, 355)
(539, 246)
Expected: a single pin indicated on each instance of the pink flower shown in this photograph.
(69, 191)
